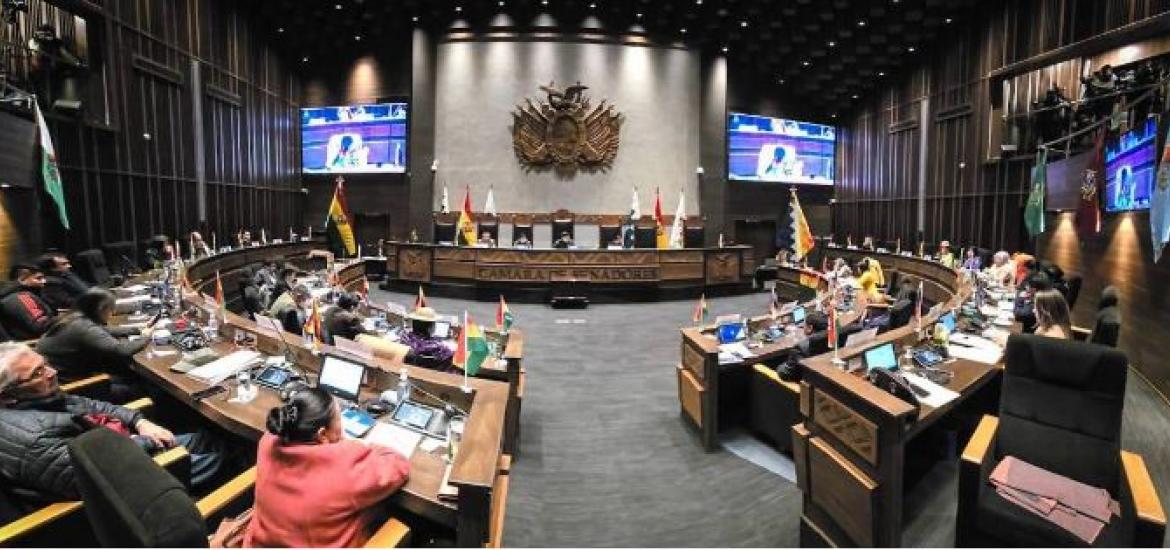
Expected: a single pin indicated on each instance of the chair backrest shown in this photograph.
(444, 232)
(91, 266)
(1060, 407)
(900, 314)
(818, 343)
(120, 256)
(1107, 328)
(1073, 282)
(693, 237)
(606, 233)
(131, 501)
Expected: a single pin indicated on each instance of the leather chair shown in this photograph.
(522, 225)
(606, 233)
(1060, 409)
(1073, 283)
(775, 406)
(491, 225)
(91, 266)
(563, 220)
(120, 257)
(694, 236)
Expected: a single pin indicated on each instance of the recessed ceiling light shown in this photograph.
(855, 96)
(501, 3)
(724, 49)
(458, 9)
(638, 15)
(743, 24)
(834, 115)
(357, 37)
(832, 44)
(948, 20)
(5, 186)
(881, 73)
(698, 2)
(781, 80)
(280, 29)
(544, 2)
(861, 23)
(415, 19)
(805, 63)
(910, 49)
(592, 5)
(683, 30)
(336, 6)
(305, 59)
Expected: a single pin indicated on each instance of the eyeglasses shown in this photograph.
(40, 371)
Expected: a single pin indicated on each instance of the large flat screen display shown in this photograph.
(1130, 166)
(779, 150)
(354, 138)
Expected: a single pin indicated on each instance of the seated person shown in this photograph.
(1002, 271)
(1051, 313)
(199, 246)
(62, 285)
(315, 487)
(24, 313)
(971, 261)
(1025, 266)
(244, 238)
(616, 241)
(783, 256)
(485, 239)
(291, 309)
(425, 349)
(37, 421)
(841, 270)
(565, 241)
(522, 241)
(816, 326)
(945, 256)
(871, 280)
(342, 319)
(80, 344)
(1024, 311)
(249, 293)
(867, 243)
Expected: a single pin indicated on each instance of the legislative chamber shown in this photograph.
(584, 273)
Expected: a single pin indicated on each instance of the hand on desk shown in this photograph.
(158, 435)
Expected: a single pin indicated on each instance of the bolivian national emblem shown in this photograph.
(567, 131)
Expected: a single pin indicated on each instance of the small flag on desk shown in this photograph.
(421, 300)
(504, 317)
(832, 330)
(219, 300)
(312, 328)
(700, 310)
(472, 349)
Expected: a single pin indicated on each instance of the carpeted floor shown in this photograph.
(606, 459)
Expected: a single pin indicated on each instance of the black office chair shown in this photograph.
(130, 500)
(1107, 324)
(817, 343)
(693, 237)
(1073, 284)
(606, 233)
(645, 237)
(91, 266)
(900, 315)
(1060, 409)
(774, 407)
(444, 232)
(120, 257)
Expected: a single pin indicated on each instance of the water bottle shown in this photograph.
(403, 391)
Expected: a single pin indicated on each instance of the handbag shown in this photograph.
(230, 533)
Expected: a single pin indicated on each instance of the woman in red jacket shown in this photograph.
(314, 488)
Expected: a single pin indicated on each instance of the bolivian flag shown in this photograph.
(701, 310)
(662, 239)
(220, 302)
(504, 317)
(421, 300)
(466, 226)
(802, 237)
(472, 348)
(337, 225)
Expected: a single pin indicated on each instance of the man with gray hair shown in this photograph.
(37, 421)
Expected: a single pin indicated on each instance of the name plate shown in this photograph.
(598, 274)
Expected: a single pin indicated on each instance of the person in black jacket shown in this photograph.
(341, 319)
(37, 421)
(62, 285)
(249, 293)
(79, 344)
(23, 312)
(1024, 312)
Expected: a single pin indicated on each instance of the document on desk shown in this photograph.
(937, 395)
(985, 355)
(396, 437)
(733, 353)
(219, 370)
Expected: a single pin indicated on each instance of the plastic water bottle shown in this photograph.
(403, 390)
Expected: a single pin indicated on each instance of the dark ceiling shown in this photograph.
(825, 54)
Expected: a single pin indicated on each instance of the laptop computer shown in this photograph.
(881, 356)
(861, 337)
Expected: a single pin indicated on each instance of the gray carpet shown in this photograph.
(606, 459)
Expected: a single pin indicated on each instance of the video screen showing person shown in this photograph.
(779, 150)
(354, 138)
(1130, 168)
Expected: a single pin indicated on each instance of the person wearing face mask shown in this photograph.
(314, 487)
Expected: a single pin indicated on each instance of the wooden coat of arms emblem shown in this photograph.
(566, 132)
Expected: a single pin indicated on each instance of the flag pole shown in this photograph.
(463, 336)
(837, 361)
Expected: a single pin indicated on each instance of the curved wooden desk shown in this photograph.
(476, 467)
(591, 272)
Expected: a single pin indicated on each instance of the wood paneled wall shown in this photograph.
(130, 168)
(974, 197)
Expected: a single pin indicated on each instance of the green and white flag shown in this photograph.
(49, 171)
(1034, 211)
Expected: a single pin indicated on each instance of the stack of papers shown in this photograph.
(733, 353)
(937, 396)
(987, 356)
(219, 370)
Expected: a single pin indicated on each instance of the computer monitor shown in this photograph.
(731, 332)
(798, 315)
(881, 357)
(442, 329)
(341, 376)
(948, 321)
(861, 337)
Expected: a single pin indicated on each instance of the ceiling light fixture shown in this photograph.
(336, 6)
(458, 9)
(881, 73)
(683, 30)
(357, 37)
(280, 29)
(805, 63)
(949, 20)
(861, 23)
(910, 49)
(743, 24)
(305, 59)
(832, 44)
